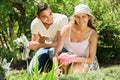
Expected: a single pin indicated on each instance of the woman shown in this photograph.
(80, 39)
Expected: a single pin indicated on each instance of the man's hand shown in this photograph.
(42, 38)
(33, 45)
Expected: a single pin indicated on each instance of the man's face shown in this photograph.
(46, 16)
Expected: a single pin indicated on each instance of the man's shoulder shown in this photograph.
(35, 21)
(58, 15)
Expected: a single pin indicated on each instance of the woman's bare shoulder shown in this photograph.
(67, 27)
(94, 35)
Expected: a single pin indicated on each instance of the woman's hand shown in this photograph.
(66, 58)
(55, 60)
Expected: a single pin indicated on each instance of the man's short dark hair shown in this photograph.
(42, 8)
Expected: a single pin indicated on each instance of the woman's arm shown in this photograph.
(60, 45)
(92, 49)
(64, 35)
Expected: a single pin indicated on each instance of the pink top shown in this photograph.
(79, 48)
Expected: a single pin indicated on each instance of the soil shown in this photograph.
(19, 64)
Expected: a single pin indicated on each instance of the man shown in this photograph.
(45, 29)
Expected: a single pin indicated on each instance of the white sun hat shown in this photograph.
(82, 8)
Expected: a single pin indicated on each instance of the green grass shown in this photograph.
(109, 73)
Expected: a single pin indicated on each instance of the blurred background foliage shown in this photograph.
(16, 17)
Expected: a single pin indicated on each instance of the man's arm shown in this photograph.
(35, 37)
(52, 44)
(34, 44)
(38, 41)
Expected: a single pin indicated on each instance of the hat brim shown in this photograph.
(93, 17)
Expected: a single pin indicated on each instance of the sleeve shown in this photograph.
(63, 21)
(34, 28)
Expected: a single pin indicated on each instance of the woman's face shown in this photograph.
(46, 16)
(82, 19)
